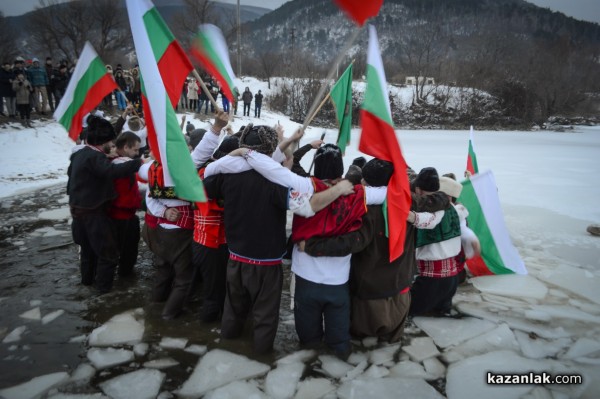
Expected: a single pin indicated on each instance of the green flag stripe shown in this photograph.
(374, 102)
(473, 157)
(477, 222)
(93, 74)
(211, 53)
(158, 32)
(181, 167)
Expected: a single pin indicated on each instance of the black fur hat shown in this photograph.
(228, 144)
(99, 130)
(329, 164)
(260, 138)
(377, 172)
(428, 180)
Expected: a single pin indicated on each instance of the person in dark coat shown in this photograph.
(258, 98)
(6, 91)
(247, 99)
(91, 191)
(51, 71)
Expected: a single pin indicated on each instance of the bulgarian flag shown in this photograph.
(498, 255)
(341, 96)
(360, 10)
(210, 49)
(163, 68)
(471, 157)
(378, 139)
(89, 84)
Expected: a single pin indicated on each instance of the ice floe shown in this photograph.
(421, 348)
(383, 355)
(237, 390)
(583, 347)
(512, 285)
(388, 388)
(121, 329)
(218, 368)
(408, 369)
(109, 357)
(36, 387)
(282, 381)
(14, 335)
(575, 280)
(56, 214)
(314, 388)
(50, 317)
(140, 349)
(334, 367)
(446, 331)
(162, 363)
(140, 384)
(299, 356)
(32, 314)
(82, 374)
(434, 368)
(196, 349)
(173, 343)
(499, 338)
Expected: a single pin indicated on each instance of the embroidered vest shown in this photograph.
(448, 228)
(156, 183)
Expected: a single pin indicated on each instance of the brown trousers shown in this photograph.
(257, 289)
(383, 318)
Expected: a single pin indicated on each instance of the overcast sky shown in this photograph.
(588, 10)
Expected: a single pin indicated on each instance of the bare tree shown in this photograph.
(195, 12)
(269, 61)
(8, 47)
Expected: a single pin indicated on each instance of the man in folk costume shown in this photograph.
(379, 288)
(255, 222)
(210, 252)
(122, 210)
(169, 227)
(91, 192)
(437, 250)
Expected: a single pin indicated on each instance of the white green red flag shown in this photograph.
(341, 96)
(163, 68)
(89, 84)
(210, 49)
(498, 254)
(378, 139)
(360, 10)
(471, 156)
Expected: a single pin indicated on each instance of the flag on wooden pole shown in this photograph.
(341, 96)
(163, 68)
(471, 157)
(89, 84)
(498, 254)
(378, 139)
(210, 49)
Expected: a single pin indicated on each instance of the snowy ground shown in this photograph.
(546, 321)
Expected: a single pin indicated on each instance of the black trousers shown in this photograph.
(247, 109)
(172, 249)
(99, 251)
(210, 266)
(257, 289)
(432, 294)
(127, 234)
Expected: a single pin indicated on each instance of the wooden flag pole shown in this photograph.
(342, 53)
(205, 89)
(315, 156)
(318, 109)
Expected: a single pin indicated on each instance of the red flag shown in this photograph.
(360, 10)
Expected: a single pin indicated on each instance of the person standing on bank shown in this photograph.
(257, 104)
(247, 99)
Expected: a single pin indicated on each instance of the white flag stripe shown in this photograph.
(374, 59)
(486, 190)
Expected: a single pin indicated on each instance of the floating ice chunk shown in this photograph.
(388, 388)
(14, 335)
(218, 368)
(557, 293)
(50, 317)
(61, 395)
(434, 368)
(55, 214)
(446, 332)
(583, 347)
(357, 357)
(297, 357)
(369, 342)
(467, 378)
(540, 348)
(120, 329)
(173, 343)
(514, 323)
(237, 390)
(165, 395)
(421, 348)
(575, 280)
(78, 339)
(140, 349)
(140, 384)
(505, 303)
(105, 358)
(82, 374)
(501, 337)
(36, 387)
(35, 302)
(196, 349)
(356, 371)
(282, 381)
(567, 312)
(537, 315)
(538, 393)
(513, 285)
(383, 355)
(32, 314)
(334, 367)
(408, 369)
(161, 363)
(314, 388)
